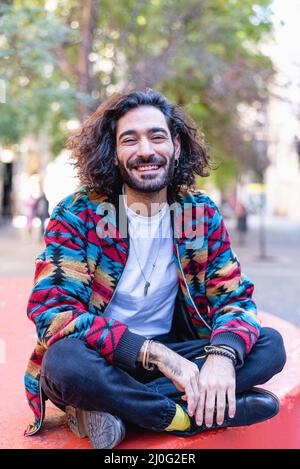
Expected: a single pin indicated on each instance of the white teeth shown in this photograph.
(145, 168)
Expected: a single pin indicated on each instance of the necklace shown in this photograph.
(147, 281)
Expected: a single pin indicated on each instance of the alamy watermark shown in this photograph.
(188, 221)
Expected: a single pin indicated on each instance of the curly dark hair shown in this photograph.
(94, 144)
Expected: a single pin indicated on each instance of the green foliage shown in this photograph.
(31, 71)
(202, 54)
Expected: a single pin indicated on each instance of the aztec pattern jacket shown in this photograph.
(86, 248)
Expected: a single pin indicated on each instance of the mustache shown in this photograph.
(141, 161)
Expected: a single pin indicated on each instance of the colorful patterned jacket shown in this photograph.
(86, 248)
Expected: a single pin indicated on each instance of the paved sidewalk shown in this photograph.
(276, 278)
(18, 250)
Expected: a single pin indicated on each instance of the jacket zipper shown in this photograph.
(115, 289)
(114, 292)
(187, 288)
(128, 246)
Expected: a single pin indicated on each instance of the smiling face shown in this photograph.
(145, 150)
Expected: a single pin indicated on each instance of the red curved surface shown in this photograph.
(17, 337)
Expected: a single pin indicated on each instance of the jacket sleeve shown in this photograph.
(59, 301)
(229, 292)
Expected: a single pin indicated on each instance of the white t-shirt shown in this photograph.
(148, 315)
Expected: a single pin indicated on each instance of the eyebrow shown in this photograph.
(134, 132)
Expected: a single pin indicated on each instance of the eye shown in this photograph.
(158, 137)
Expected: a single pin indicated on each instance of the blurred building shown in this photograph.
(21, 168)
(7, 160)
(283, 174)
(27, 170)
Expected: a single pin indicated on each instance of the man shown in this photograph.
(142, 314)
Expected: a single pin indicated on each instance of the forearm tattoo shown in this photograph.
(162, 355)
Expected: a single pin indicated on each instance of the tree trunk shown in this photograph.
(89, 12)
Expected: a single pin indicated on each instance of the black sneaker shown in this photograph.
(104, 430)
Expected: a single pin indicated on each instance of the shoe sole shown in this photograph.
(103, 429)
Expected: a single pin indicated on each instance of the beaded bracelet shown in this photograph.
(146, 355)
(213, 350)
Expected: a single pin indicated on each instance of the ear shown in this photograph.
(177, 146)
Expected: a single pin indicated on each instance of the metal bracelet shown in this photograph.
(146, 355)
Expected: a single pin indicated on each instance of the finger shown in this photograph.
(190, 399)
(221, 402)
(200, 408)
(210, 407)
(231, 402)
(194, 384)
(184, 397)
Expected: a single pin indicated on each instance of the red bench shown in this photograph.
(17, 339)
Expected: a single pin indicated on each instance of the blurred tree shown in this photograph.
(38, 96)
(61, 58)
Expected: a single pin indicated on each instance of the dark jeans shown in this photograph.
(74, 374)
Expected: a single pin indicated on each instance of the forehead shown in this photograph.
(142, 118)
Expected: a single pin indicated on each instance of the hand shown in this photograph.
(183, 373)
(216, 382)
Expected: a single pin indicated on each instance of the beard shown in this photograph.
(148, 183)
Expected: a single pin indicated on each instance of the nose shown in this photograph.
(145, 148)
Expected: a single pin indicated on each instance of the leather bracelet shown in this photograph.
(230, 350)
(213, 350)
(226, 347)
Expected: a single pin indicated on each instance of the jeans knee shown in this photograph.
(275, 347)
(75, 374)
(61, 363)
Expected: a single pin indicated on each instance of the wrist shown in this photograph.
(154, 351)
(219, 358)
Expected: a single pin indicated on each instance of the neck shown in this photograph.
(143, 203)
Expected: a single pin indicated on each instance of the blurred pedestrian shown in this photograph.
(29, 209)
(42, 212)
(241, 216)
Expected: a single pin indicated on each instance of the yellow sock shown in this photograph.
(181, 420)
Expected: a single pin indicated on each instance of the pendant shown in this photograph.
(147, 285)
